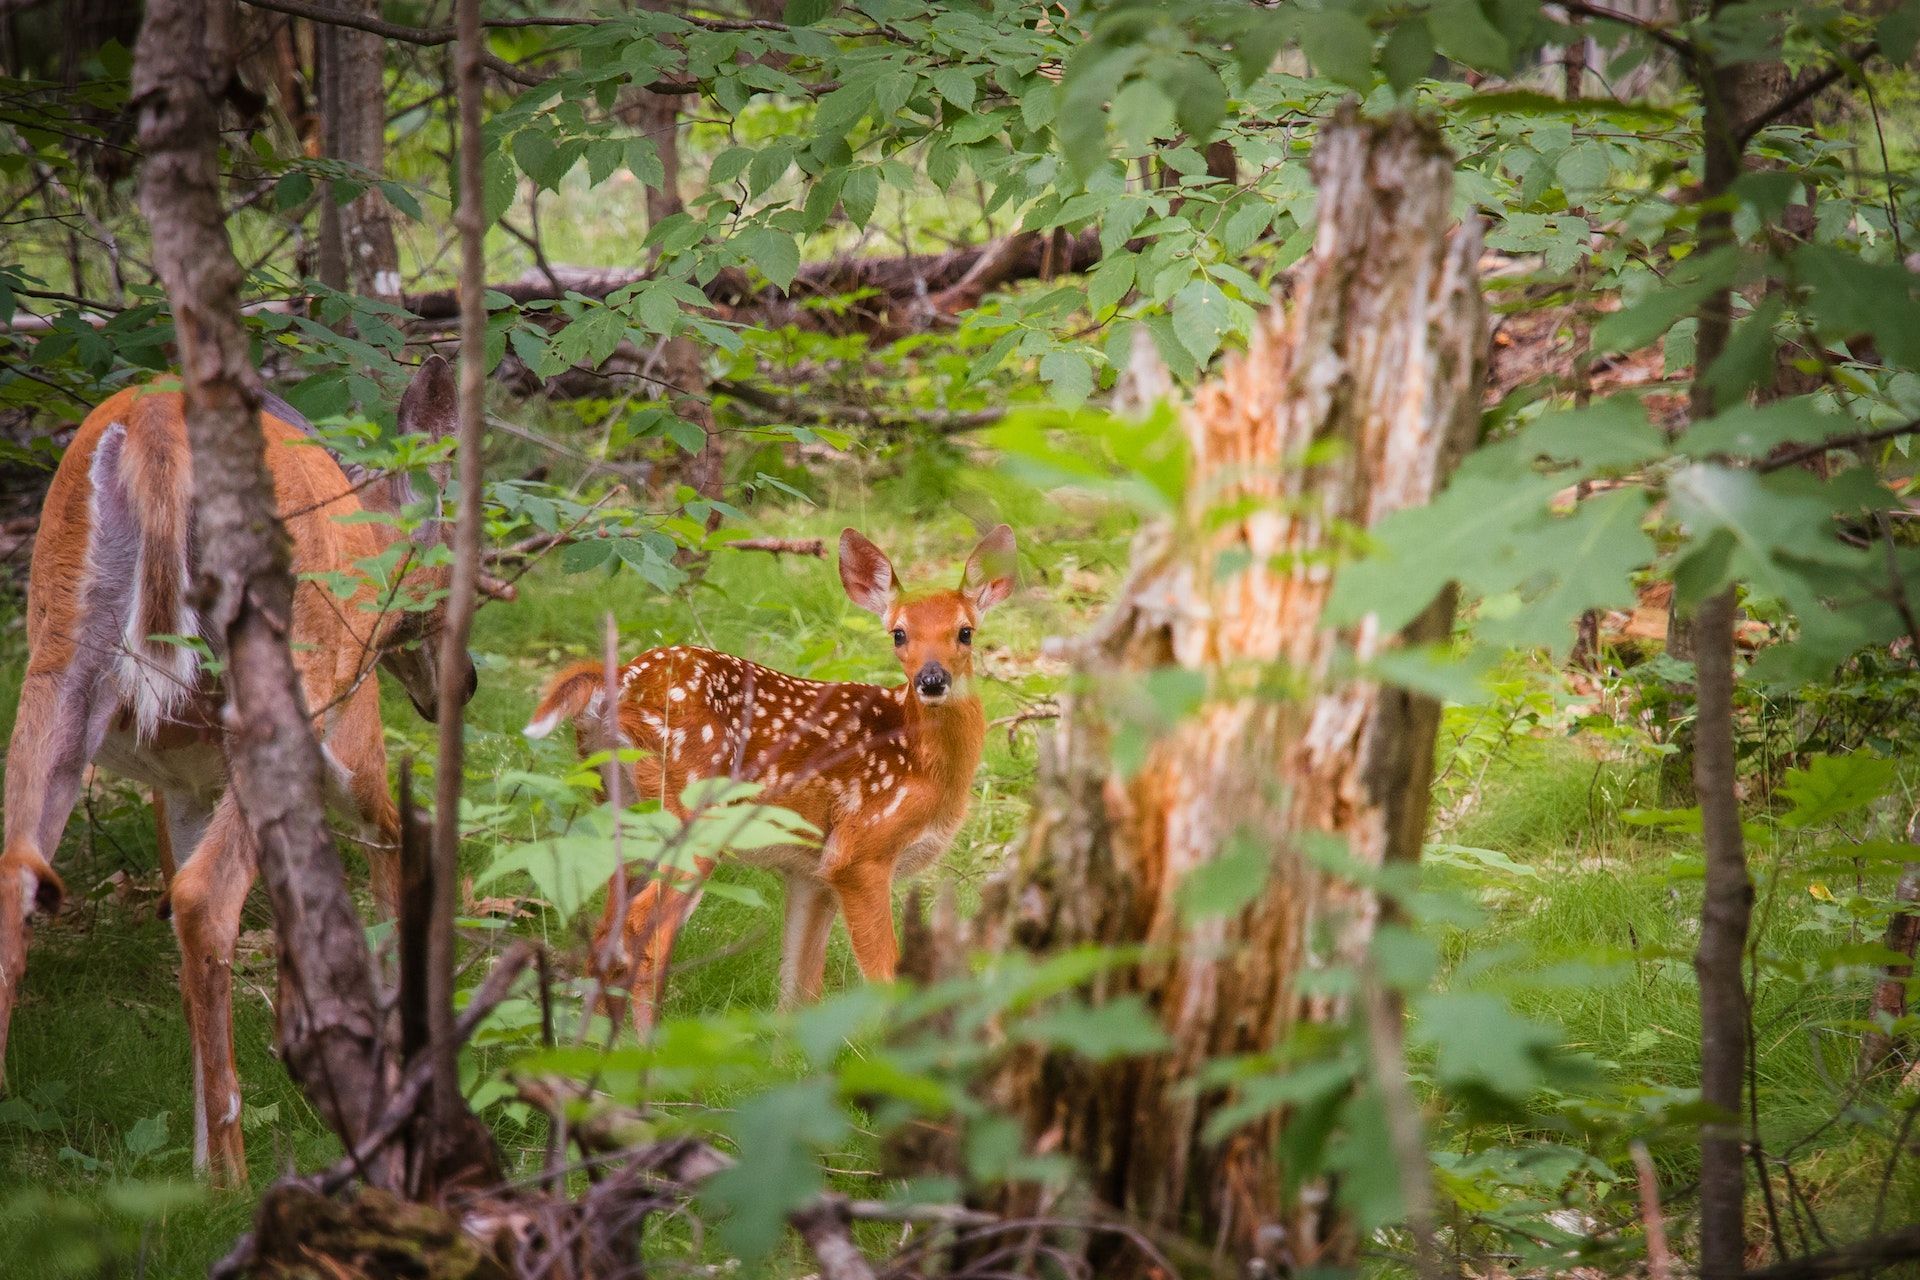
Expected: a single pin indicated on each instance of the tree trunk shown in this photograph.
(1725, 912)
(1727, 904)
(357, 249)
(1353, 403)
(328, 1023)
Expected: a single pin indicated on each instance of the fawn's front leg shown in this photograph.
(859, 865)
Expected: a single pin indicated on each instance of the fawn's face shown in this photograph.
(932, 634)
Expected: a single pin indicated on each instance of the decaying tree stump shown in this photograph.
(1355, 400)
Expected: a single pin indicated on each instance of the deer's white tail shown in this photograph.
(576, 689)
(138, 553)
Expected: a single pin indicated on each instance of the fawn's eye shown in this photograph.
(899, 636)
(966, 635)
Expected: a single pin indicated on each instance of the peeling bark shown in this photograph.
(1376, 366)
(329, 1028)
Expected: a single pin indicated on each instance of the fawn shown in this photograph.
(112, 566)
(884, 773)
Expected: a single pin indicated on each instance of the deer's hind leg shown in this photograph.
(209, 890)
(811, 905)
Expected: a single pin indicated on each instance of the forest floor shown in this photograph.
(1581, 919)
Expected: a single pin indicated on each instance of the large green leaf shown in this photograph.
(1467, 535)
(1752, 431)
(1830, 786)
(779, 1133)
(1585, 560)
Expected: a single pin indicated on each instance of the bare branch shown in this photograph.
(1864, 1255)
(1806, 91)
(1794, 457)
(1648, 27)
(431, 37)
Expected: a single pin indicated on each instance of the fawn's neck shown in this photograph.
(946, 740)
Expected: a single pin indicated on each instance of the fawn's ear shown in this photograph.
(989, 576)
(866, 573)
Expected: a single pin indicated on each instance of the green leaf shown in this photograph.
(292, 191)
(1142, 115)
(1201, 317)
(956, 85)
(1850, 296)
(1461, 31)
(822, 197)
(147, 1136)
(1583, 170)
(1584, 560)
(778, 1133)
(498, 187)
(1069, 375)
(1779, 532)
(1121, 1027)
(1226, 884)
(541, 158)
(1899, 31)
(1609, 435)
(1248, 223)
(1747, 361)
(1830, 786)
(643, 161)
(1478, 1041)
(767, 167)
(1340, 47)
(1655, 311)
(1199, 100)
(1467, 534)
(804, 13)
(1408, 55)
(604, 155)
(1753, 431)
(859, 195)
(774, 253)
(1110, 281)
(729, 164)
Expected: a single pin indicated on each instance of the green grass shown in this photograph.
(98, 1043)
(1592, 935)
(1596, 936)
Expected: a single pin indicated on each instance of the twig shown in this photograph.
(1795, 457)
(1645, 26)
(1864, 1255)
(1659, 1258)
(423, 36)
(1807, 91)
(454, 664)
(816, 547)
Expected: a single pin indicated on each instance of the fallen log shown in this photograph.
(907, 292)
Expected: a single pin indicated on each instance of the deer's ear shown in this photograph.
(866, 573)
(989, 576)
(430, 405)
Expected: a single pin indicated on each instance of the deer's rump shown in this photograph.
(118, 522)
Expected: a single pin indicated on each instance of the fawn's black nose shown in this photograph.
(933, 681)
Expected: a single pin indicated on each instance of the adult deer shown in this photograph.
(111, 567)
(884, 773)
